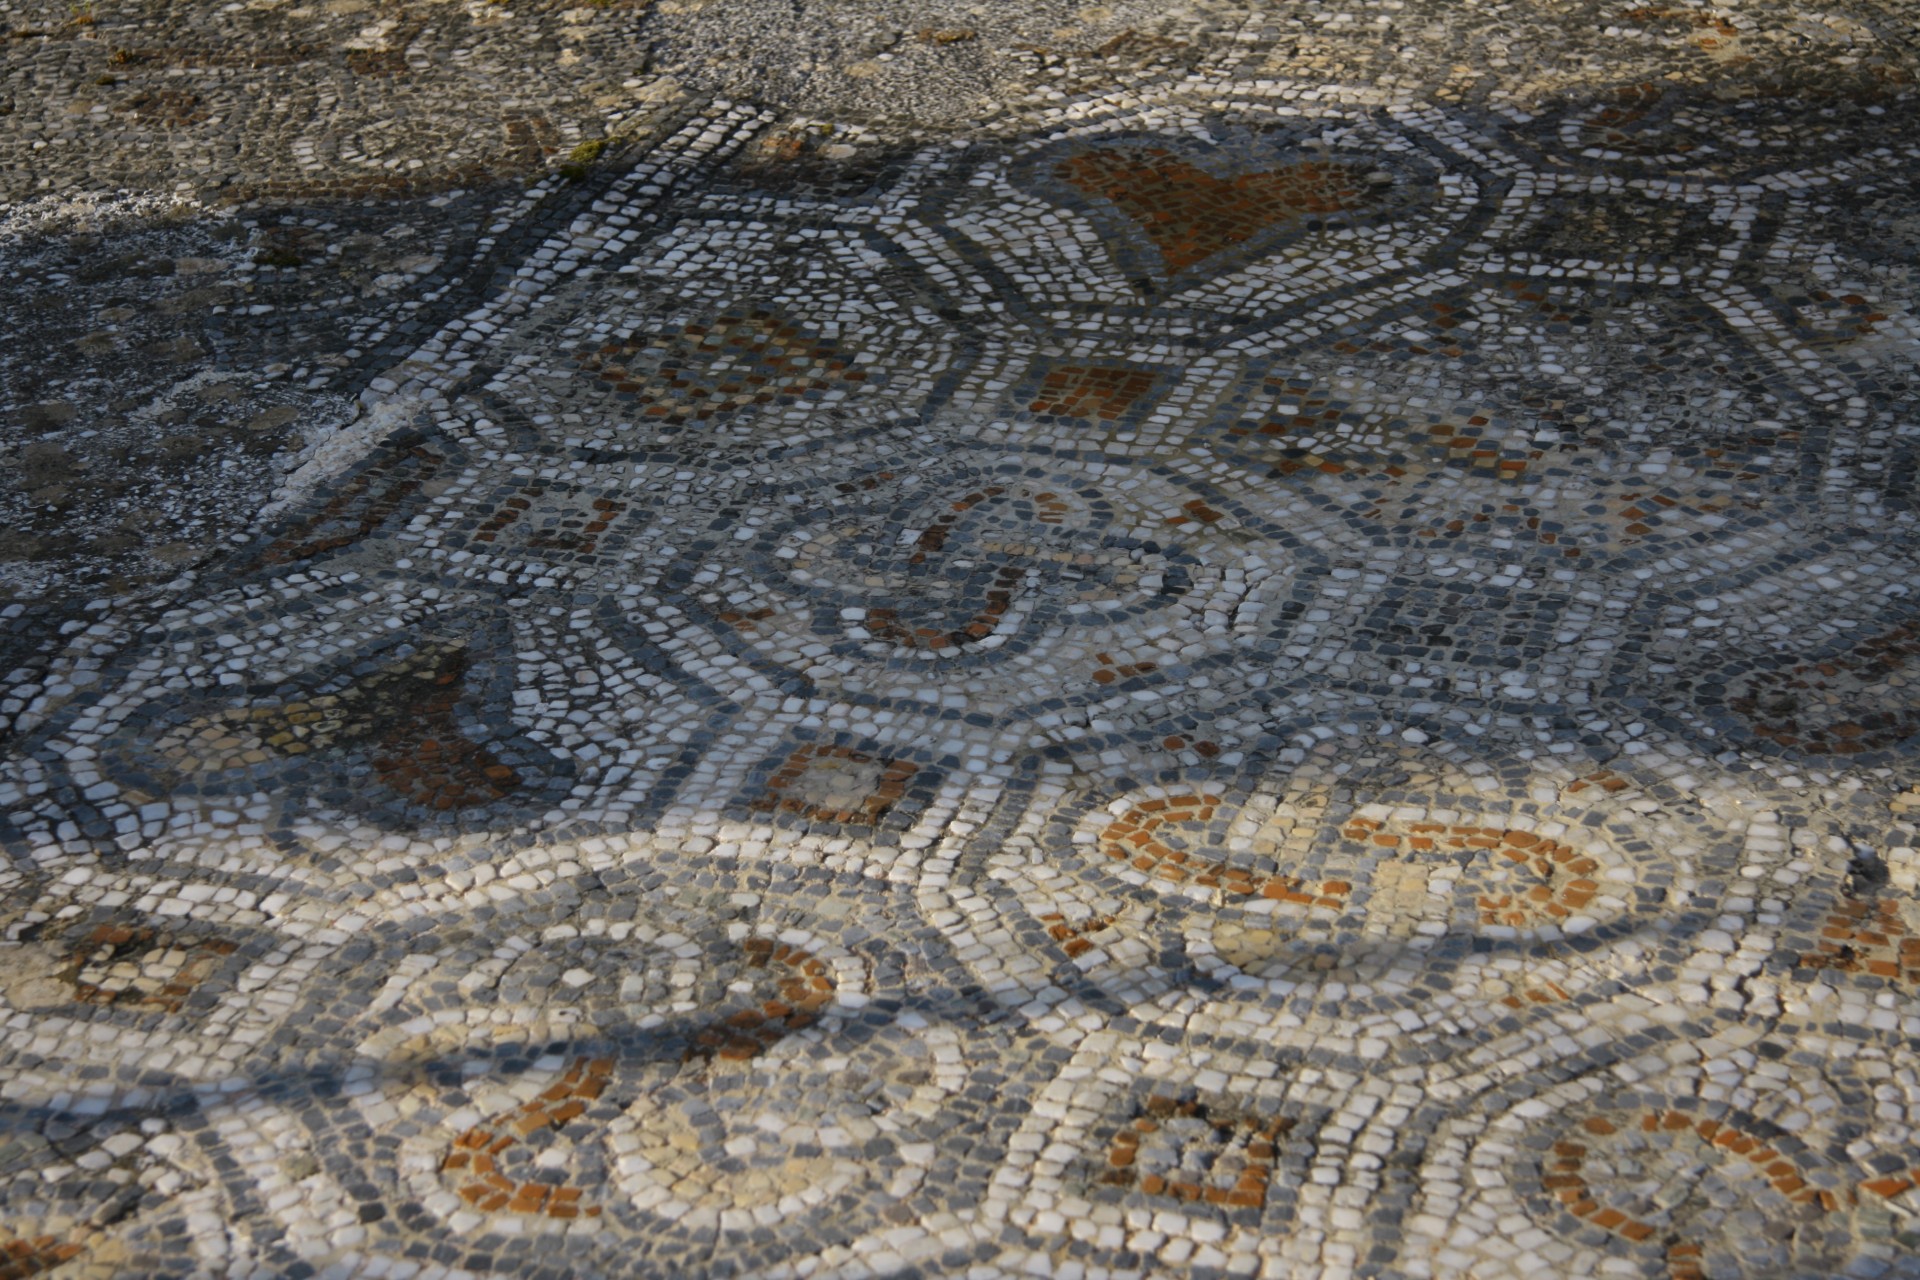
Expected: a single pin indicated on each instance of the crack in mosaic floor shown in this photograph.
(1237, 677)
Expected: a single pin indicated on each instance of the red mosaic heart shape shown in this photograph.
(1189, 215)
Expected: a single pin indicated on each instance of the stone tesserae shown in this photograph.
(1211, 666)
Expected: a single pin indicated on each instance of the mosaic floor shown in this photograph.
(1234, 675)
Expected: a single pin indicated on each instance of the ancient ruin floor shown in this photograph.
(748, 639)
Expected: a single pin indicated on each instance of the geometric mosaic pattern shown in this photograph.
(1240, 677)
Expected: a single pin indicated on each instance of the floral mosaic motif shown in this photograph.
(1698, 1170)
(1045, 508)
(885, 623)
(951, 566)
(701, 371)
(402, 715)
(1613, 126)
(1306, 428)
(142, 968)
(1091, 392)
(1195, 1152)
(479, 1159)
(1565, 885)
(573, 533)
(1280, 903)
(1145, 838)
(830, 783)
(421, 752)
(1647, 1152)
(803, 986)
